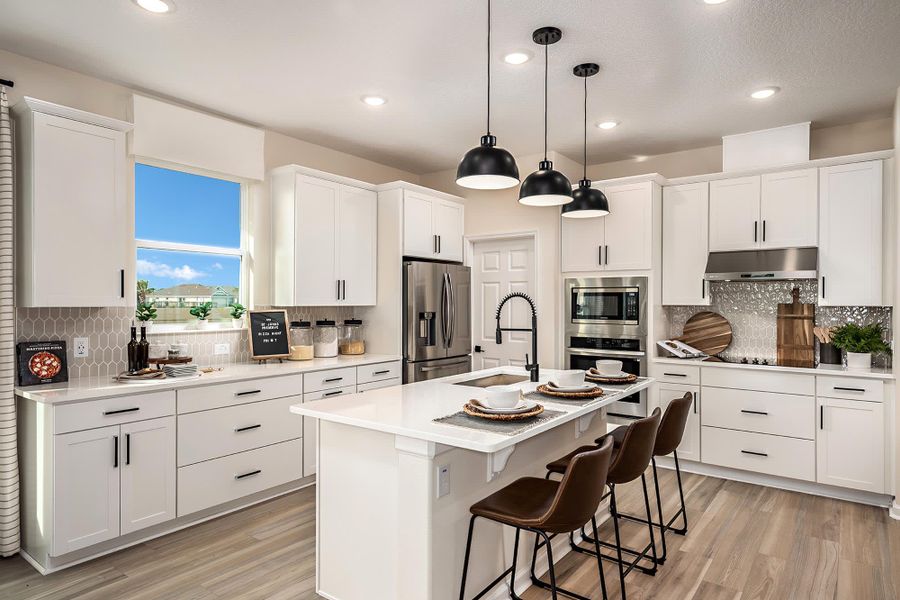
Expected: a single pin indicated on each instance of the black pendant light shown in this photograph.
(488, 167)
(546, 186)
(586, 201)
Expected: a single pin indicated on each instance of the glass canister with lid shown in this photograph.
(325, 339)
(352, 340)
(301, 339)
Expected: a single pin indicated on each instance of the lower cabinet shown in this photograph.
(850, 444)
(689, 449)
(148, 475)
(759, 452)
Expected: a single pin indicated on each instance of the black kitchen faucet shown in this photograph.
(533, 368)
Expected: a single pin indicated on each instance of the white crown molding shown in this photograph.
(49, 108)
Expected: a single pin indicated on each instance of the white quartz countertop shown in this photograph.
(90, 388)
(873, 373)
(410, 410)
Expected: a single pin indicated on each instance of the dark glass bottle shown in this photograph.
(144, 348)
(133, 351)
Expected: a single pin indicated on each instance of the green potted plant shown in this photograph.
(237, 311)
(202, 312)
(146, 313)
(859, 342)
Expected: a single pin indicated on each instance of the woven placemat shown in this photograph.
(588, 395)
(461, 419)
(610, 380)
(539, 397)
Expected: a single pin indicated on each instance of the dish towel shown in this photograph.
(9, 467)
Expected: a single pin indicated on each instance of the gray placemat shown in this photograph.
(461, 419)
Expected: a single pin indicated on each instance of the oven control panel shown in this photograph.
(603, 343)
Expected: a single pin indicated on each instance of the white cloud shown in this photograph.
(217, 266)
(183, 273)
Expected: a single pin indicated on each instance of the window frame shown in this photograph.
(242, 253)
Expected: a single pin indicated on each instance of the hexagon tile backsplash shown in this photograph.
(107, 330)
(751, 308)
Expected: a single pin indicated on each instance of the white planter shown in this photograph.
(203, 324)
(148, 325)
(237, 323)
(859, 361)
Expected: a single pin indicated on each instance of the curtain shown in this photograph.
(9, 468)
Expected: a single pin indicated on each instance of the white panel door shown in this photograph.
(850, 205)
(317, 208)
(582, 244)
(148, 473)
(79, 210)
(418, 225)
(689, 449)
(685, 244)
(500, 267)
(789, 209)
(85, 488)
(310, 445)
(850, 448)
(357, 245)
(734, 214)
(628, 239)
(448, 226)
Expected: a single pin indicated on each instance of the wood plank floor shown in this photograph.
(745, 542)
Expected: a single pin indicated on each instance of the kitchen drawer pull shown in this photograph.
(675, 374)
(846, 389)
(120, 411)
(332, 380)
(385, 372)
(755, 453)
(248, 393)
(337, 393)
(247, 428)
(755, 412)
(250, 474)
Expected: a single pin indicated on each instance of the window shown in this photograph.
(190, 246)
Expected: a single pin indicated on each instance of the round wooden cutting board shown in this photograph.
(708, 332)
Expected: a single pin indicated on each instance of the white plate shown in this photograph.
(586, 387)
(525, 406)
(620, 375)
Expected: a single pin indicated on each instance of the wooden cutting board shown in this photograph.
(708, 332)
(795, 333)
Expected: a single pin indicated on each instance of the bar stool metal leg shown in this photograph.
(612, 504)
(599, 558)
(462, 586)
(682, 512)
(650, 524)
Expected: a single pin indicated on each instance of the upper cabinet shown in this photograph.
(73, 178)
(850, 239)
(432, 227)
(685, 244)
(775, 210)
(324, 241)
(620, 241)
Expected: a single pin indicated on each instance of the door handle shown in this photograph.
(607, 255)
(344, 286)
(451, 310)
(764, 230)
(823, 286)
(115, 452)
(600, 255)
(127, 448)
(696, 401)
(439, 244)
(338, 282)
(122, 282)
(822, 417)
(703, 289)
(755, 227)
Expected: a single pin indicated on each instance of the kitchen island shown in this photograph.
(394, 486)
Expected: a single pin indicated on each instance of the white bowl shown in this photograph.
(501, 397)
(608, 367)
(569, 378)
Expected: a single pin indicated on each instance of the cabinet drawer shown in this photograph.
(344, 391)
(112, 411)
(848, 388)
(241, 392)
(759, 452)
(214, 433)
(376, 385)
(683, 374)
(378, 372)
(329, 380)
(224, 479)
(760, 412)
(760, 380)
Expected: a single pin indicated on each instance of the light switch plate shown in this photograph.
(222, 348)
(82, 349)
(443, 481)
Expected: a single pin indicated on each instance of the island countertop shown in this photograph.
(409, 410)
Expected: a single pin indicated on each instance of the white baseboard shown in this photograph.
(895, 510)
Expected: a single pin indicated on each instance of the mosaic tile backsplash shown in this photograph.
(107, 330)
(751, 309)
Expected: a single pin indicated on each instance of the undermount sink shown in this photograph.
(499, 379)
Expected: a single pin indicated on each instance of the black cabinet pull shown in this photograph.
(822, 417)
(439, 244)
(247, 428)
(122, 282)
(338, 282)
(127, 448)
(846, 389)
(823, 286)
(755, 412)
(674, 374)
(385, 372)
(344, 285)
(248, 393)
(115, 452)
(754, 453)
(755, 226)
(337, 393)
(600, 255)
(696, 400)
(607, 254)
(764, 230)
(702, 289)
(250, 474)
(332, 380)
(121, 410)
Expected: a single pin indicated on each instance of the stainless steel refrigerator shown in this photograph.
(437, 326)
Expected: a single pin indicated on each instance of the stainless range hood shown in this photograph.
(762, 265)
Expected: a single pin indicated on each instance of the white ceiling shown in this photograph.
(676, 73)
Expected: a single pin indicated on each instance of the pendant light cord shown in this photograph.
(585, 129)
(489, 70)
(546, 69)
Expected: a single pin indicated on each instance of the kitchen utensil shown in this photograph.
(708, 332)
(608, 367)
(795, 324)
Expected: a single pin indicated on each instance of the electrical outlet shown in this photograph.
(82, 350)
(222, 348)
(443, 482)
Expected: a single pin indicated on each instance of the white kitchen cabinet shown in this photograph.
(850, 238)
(357, 245)
(734, 214)
(582, 244)
(73, 179)
(310, 445)
(316, 279)
(685, 244)
(432, 227)
(850, 448)
(689, 449)
(448, 226)
(147, 473)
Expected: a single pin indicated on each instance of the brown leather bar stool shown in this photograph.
(546, 507)
(630, 460)
(668, 438)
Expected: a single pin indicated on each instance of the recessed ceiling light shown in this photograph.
(517, 58)
(155, 6)
(374, 100)
(715, 1)
(764, 93)
(607, 124)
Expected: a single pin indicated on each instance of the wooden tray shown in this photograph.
(611, 380)
(708, 332)
(474, 412)
(594, 393)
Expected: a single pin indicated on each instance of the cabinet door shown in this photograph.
(357, 245)
(685, 244)
(734, 214)
(850, 444)
(689, 449)
(448, 226)
(628, 239)
(85, 488)
(310, 445)
(418, 225)
(789, 209)
(78, 208)
(148, 473)
(317, 207)
(582, 244)
(850, 234)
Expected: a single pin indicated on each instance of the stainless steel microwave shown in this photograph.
(606, 301)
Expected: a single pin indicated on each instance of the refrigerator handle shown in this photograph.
(451, 322)
(445, 311)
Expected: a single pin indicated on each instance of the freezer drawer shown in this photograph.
(435, 369)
